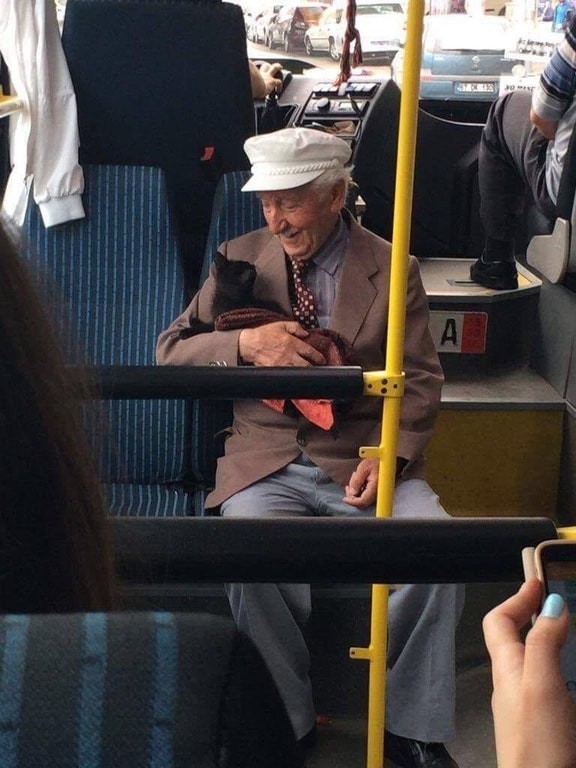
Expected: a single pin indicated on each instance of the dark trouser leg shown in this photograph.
(512, 161)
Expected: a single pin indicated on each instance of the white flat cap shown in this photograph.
(292, 157)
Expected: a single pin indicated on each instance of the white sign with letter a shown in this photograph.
(460, 332)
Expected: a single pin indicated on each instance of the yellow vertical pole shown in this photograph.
(389, 383)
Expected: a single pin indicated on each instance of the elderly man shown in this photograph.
(280, 463)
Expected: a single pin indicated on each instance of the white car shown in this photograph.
(381, 26)
(263, 21)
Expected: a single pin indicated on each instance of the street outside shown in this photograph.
(258, 51)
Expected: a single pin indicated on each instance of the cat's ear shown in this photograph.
(219, 260)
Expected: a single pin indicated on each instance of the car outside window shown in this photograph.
(286, 13)
(310, 13)
(471, 39)
(378, 9)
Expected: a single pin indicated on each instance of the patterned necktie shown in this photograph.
(303, 301)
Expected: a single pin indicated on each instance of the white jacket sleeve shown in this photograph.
(44, 135)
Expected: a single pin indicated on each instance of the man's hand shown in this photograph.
(546, 127)
(363, 484)
(281, 343)
(264, 78)
(534, 715)
(270, 74)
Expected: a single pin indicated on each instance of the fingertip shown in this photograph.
(553, 606)
(296, 330)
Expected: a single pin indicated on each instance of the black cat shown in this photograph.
(234, 290)
(235, 306)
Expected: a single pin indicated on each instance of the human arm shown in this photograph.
(557, 85)
(534, 715)
(422, 388)
(423, 373)
(177, 346)
(546, 127)
(44, 139)
(278, 343)
(263, 79)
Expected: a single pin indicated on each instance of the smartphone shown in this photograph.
(554, 563)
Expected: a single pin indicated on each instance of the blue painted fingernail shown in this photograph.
(553, 607)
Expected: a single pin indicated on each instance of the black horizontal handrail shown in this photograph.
(219, 382)
(366, 550)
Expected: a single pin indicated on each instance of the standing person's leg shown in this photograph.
(511, 163)
(274, 615)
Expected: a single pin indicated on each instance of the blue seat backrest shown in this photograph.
(233, 214)
(118, 282)
(127, 690)
(164, 83)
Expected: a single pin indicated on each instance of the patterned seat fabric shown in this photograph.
(115, 282)
(128, 690)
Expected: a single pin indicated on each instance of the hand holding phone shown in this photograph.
(554, 563)
(534, 715)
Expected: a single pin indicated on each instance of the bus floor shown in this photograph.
(342, 740)
(340, 685)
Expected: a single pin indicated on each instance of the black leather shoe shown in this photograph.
(498, 275)
(409, 753)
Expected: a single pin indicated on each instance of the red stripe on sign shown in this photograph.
(474, 332)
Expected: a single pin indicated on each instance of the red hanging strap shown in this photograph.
(350, 34)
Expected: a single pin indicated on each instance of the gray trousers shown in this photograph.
(511, 163)
(422, 617)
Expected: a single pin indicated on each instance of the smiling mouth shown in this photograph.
(288, 235)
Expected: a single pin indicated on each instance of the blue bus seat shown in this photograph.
(164, 89)
(446, 224)
(118, 282)
(233, 214)
(134, 689)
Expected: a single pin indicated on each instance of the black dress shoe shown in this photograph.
(498, 275)
(409, 753)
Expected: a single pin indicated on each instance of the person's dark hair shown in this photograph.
(54, 549)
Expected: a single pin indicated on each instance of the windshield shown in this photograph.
(470, 35)
(378, 9)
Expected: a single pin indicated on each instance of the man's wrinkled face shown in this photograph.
(303, 218)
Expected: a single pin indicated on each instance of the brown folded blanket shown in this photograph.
(332, 345)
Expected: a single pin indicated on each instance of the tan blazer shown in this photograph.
(262, 440)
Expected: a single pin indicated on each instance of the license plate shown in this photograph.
(476, 87)
(459, 332)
